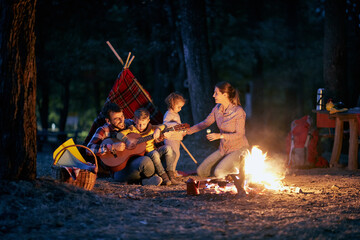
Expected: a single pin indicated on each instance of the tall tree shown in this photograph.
(335, 50)
(176, 58)
(353, 46)
(17, 90)
(159, 40)
(197, 60)
(296, 91)
(255, 17)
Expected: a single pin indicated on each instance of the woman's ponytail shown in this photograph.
(232, 92)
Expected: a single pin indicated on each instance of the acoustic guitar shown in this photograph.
(118, 160)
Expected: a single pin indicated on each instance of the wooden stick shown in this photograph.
(182, 144)
(111, 47)
(132, 58)
(143, 90)
(127, 60)
(137, 83)
(127, 65)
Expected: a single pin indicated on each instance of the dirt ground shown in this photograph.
(328, 207)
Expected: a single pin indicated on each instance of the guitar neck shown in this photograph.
(145, 139)
(151, 136)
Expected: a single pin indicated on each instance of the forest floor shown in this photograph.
(327, 207)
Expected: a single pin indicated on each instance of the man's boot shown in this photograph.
(172, 177)
(166, 180)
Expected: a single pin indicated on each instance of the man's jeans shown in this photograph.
(135, 170)
(164, 153)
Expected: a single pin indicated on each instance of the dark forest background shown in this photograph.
(56, 69)
(273, 50)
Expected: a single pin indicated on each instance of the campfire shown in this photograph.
(261, 175)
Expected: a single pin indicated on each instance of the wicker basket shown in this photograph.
(85, 178)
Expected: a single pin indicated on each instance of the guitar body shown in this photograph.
(118, 161)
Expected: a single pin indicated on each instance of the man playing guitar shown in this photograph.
(141, 168)
(151, 134)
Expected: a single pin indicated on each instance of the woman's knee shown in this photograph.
(219, 173)
(201, 171)
(222, 171)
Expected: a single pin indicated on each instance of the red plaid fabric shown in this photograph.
(128, 95)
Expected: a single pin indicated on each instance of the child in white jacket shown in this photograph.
(175, 101)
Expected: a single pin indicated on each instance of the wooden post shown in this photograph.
(336, 151)
(353, 144)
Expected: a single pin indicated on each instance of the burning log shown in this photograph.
(216, 186)
(260, 178)
(239, 178)
(239, 182)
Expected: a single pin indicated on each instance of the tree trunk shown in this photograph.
(17, 90)
(295, 92)
(254, 19)
(335, 50)
(43, 80)
(44, 104)
(258, 91)
(64, 111)
(177, 61)
(195, 43)
(160, 62)
(353, 49)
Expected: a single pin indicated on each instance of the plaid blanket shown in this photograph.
(129, 96)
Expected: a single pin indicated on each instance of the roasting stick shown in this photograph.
(143, 90)
(185, 148)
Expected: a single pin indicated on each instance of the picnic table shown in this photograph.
(352, 116)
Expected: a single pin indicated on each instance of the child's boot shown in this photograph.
(165, 178)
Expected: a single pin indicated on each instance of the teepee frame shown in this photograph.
(127, 65)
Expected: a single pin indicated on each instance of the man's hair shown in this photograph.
(173, 98)
(110, 107)
(141, 114)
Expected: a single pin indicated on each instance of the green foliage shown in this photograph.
(74, 50)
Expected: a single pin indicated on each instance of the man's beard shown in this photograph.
(120, 126)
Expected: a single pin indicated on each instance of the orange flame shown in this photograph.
(258, 170)
(261, 174)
